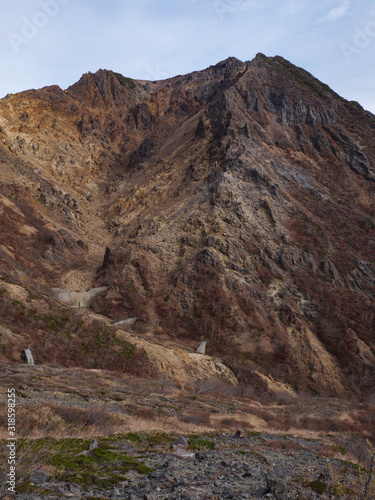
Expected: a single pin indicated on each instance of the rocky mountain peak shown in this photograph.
(102, 88)
(236, 204)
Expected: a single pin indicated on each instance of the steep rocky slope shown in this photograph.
(236, 205)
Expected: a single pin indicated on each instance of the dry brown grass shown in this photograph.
(214, 406)
(28, 462)
(198, 418)
(241, 422)
(63, 422)
(72, 416)
(169, 425)
(33, 420)
(234, 423)
(328, 450)
(145, 413)
(94, 417)
(53, 420)
(219, 388)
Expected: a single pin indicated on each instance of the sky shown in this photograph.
(48, 42)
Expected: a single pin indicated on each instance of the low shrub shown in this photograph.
(200, 443)
(197, 418)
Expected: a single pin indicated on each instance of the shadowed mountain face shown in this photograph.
(236, 205)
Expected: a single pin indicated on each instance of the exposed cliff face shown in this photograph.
(237, 203)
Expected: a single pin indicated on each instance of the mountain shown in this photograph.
(233, 205)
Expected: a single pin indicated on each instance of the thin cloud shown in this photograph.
(337, 13)
(224, 7)
(246, 5)
(292, 7)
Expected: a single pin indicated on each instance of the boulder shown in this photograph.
(262, 492)
(277, 487)
(114, 493)
(200, 456)
(182, 453)
(257, 473)
(39, 477)
(93, 445)
(181, 441)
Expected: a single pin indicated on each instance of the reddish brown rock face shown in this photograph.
(237, 203)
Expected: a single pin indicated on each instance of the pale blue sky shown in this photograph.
(45, 42)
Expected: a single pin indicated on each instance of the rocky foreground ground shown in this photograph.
(99, 434)
(216, 466)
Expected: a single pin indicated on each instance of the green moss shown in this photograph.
(198, 443)
(21, 394)
(33, 313)
(367, 223)
(55, 323)
(304, 78)
(318, 487)
(68, 462)
(125, 81)
(26, 487)
(131, 286)
(102, 467)
(342, 450)
(74, 445)
(142, 468)
(354, 466)
(133, 436)
(159, 438)
(2, 291)
(128, 349)
(253, 433)
(19, 303)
